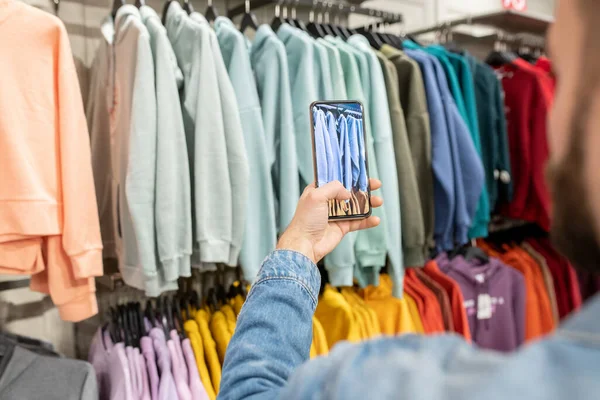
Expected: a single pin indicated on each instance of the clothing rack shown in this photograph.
(509, 21)
(338, 6)
(330, 107)
(10, 285)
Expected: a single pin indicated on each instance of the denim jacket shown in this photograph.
(268, 356)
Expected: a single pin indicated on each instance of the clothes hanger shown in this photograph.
(333, 28)
(149, 313)
(165, 10)
(314, 28)
(500, 56)
(56, 4)
(277, 20)
(140, 3)
(115, 7)
(344, 31)
(248, 19)
(211, 12)
(298, 23)
(187, 6)
(168, 310)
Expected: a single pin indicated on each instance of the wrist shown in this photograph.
(297, 243)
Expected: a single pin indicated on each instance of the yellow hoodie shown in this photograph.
(335, 315)
(220, 332)
(191, 328)
(210, 349)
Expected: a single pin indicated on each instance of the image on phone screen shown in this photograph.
(340, 153)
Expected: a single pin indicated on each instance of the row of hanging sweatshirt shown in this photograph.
(201, 144)
(498, 297)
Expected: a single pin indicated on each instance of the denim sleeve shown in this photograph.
(274, 329)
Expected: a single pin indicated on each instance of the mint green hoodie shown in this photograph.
(270, 66)
(218, 163)
(173, 207)
(383, 144)
(260, 234)
(302, 69)
(335, 69)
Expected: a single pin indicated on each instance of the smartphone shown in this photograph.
(340, 153)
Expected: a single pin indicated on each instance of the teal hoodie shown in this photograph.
(270, 66)
(173, 207)
(260, 234)
(383, 144)
(370, 245)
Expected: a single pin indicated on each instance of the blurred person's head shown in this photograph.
(574, 132)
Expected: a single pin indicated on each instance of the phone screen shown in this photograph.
(340, 153)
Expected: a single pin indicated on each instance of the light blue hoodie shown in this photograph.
(270, 66)
(323, 153)
(347, 165)
(335, 169)
(260, 235)
(173, 208)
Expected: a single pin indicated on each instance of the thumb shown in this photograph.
(333, 190)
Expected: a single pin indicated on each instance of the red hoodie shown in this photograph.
(528, 97)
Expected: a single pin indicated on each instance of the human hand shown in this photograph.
(311, 233)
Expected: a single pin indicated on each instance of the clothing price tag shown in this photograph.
(484, 306)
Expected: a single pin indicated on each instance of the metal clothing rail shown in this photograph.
(339, 7)
(342, 110)
(509, 21)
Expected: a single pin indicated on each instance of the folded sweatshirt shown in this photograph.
(46, 184)
(260, 234)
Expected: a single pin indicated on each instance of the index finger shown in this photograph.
(374, 183)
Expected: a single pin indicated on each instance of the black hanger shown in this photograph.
(248, 19)
(165, 10)
(530, 58)
(212, 299)
(139, 3)
(469, 253)
(373, 39)
(178, 318)
(56, 4)
(187, 6)
(315, 28)
(115, 7)
(211, 12)
(277, 20)
(500, 58)
(168, 310)
(115, 327)
(149, 313)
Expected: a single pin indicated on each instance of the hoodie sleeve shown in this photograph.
(212, 183)
(140, 179)
(173, 208)
(81, 229)
(237, 159)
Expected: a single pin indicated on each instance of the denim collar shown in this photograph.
(585, 325)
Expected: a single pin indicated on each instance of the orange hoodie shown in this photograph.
(48, 215)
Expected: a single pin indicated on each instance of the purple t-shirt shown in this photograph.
(112, 368)
(178, 373)
(166, 387)
(494, 299)
(148, 352)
